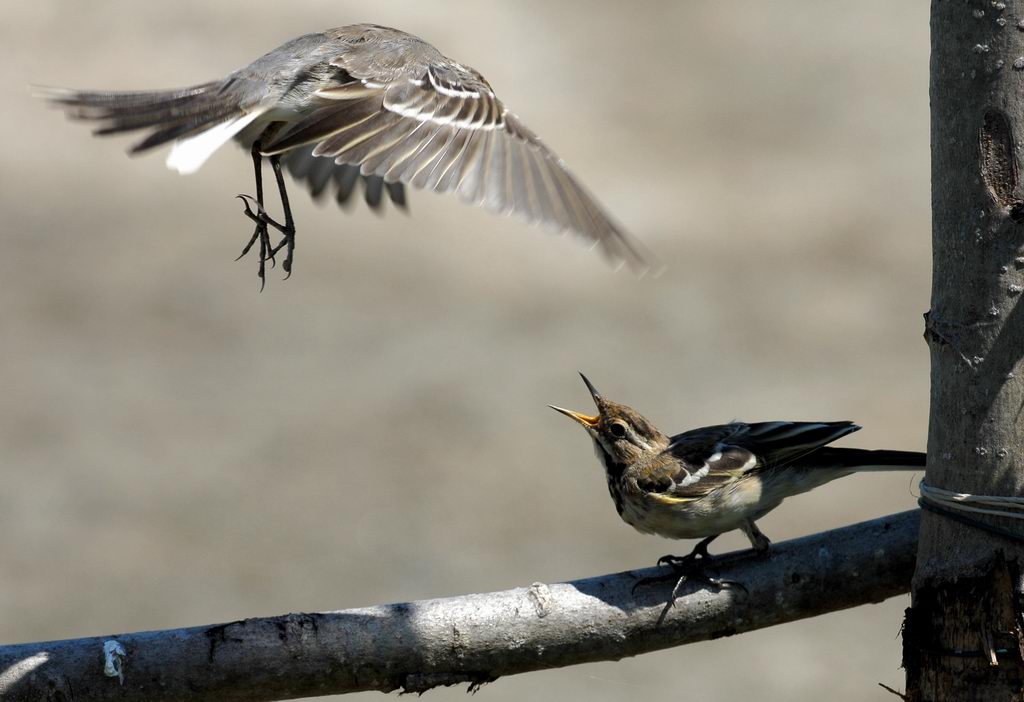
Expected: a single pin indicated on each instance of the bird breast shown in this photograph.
(719, 511)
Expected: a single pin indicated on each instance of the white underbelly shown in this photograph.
(716, 513)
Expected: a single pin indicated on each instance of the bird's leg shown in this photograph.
(758, 540)
(288, 228)
(688, 568)
(259, 216)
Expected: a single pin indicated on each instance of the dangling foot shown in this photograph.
(287, 240)
(254, 211)
(263, 221)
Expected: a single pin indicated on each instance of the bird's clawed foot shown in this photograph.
(254, 210)
(689, 568)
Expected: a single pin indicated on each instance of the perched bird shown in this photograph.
(707, 481)
(361, 102)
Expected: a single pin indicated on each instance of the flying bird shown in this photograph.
(360, 103)
(705, 482)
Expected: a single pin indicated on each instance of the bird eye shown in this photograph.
(617, 429)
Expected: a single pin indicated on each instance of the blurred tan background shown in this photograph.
(179, 449)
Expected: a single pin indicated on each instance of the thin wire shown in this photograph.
(1012, 507)
(952, 505)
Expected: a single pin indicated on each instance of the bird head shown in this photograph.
(622, 436)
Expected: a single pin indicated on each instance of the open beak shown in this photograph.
(585, 420)
(593, 391)
(588, 422)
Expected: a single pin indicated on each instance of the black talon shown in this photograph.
(262, 220)
(686, 568)
(258, 217)
(255, 211)
(681, 574)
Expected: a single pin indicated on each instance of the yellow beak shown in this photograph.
(588, 422)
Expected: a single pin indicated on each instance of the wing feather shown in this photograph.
(402, 166)
(709, 458)
(318, 173)
(346, 178)
(439, 178)
(689, 478)
(439, 126)
(390, 143)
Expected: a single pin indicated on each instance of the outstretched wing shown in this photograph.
(440, 127)
(703, 460)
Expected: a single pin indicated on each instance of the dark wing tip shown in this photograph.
(781, 442)
(396, 191)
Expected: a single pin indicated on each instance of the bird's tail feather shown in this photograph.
(828, 464)
(858, 460)
(170, 115)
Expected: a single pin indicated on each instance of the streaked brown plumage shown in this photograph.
(707, 481)
(363, 102)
